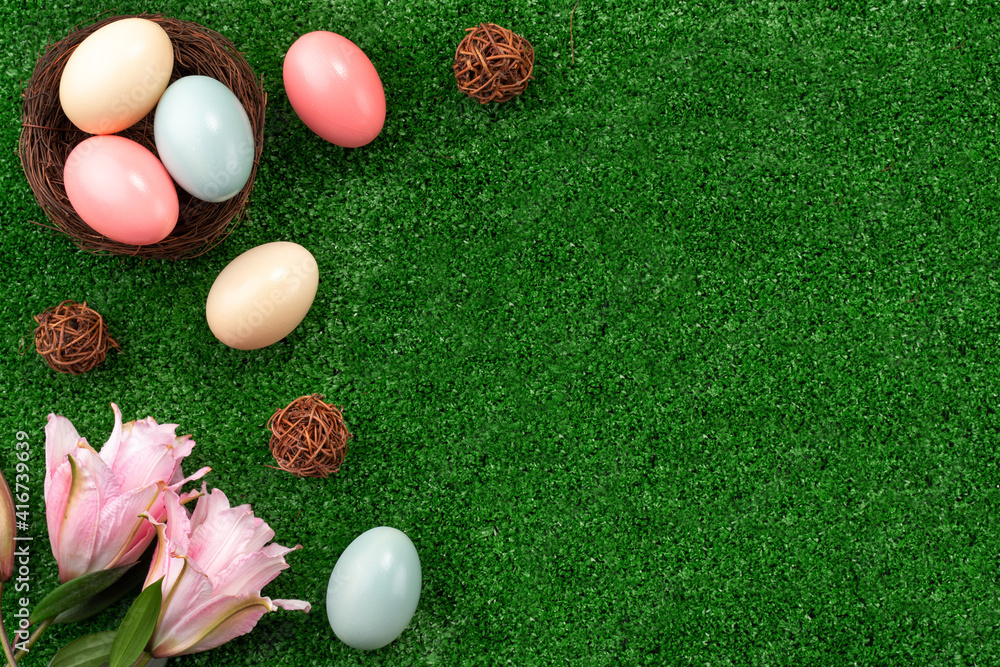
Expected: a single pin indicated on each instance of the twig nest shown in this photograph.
(492, 64)
(309, 437)
(48, 137)
(72, 338)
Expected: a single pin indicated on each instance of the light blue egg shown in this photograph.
(374, 589)
(204, 138)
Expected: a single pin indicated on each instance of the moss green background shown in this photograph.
(686, 356)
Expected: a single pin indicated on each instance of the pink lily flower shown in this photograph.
(94, 502)
(214, 564)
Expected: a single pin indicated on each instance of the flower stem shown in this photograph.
(6, 643)
(42, 627)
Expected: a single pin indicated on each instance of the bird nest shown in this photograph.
(48, 137)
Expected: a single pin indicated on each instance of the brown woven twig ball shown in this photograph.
(48, 136)
(309, 437)
(72, 338)
(492, 64)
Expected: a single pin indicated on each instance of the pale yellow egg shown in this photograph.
(116, 76)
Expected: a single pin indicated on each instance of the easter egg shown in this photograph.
(334, 89)
(204, 138)
(121, 190)
(374, 589)
(116, 75)
(262, 295)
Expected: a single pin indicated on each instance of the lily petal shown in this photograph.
(212, 625)
(140, 542)
(262, 534)
(293, 605)
(61, 439)
(189, 590)
(178, 523)
(141, 434)
(253, 571)
(176, 484)
(182, 448)
(110, 449)
(122, 530)
(57, 489)
(104, 478)
(208, 504)
(78, 526)
(146, 456)
(161, 554)
(221, 538)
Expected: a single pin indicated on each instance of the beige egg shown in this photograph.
(116, 76)
(262, 295)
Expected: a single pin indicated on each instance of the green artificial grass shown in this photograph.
(685, 356)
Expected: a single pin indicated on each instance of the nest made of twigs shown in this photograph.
(72, 337)
(309, 437)
(48, 136)
(492, 64)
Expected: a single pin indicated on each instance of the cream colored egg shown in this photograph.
(262, 295)
(116, 75)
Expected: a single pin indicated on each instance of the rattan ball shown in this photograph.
(48, 136)
(72, 338)
(492, 64)
(309, 437)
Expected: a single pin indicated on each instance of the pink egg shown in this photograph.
(334, 89)
(121, 190)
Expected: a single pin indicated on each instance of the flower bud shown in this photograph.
(8, 531)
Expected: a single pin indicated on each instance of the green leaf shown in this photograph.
(74, 592)
(137, 627)
(101, 600)
(88, 651)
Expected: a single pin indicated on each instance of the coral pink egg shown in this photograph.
(334, 89)
(121, 190)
